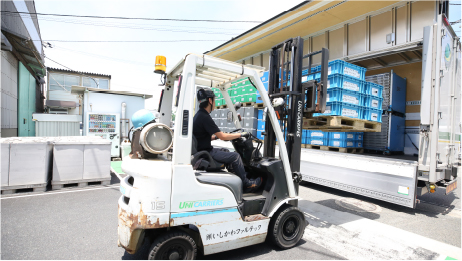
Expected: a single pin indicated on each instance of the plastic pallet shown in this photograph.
(337, 149)
(55, 185)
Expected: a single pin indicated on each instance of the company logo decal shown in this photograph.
(201, 203)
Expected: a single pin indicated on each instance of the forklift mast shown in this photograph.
(299, 99)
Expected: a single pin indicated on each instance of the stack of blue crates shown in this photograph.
(264, 80)
(261, 124)
(348, 94)
(346, 139)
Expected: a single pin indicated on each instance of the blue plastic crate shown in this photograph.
(306, 77)
(345, 82)
(342, 136)
(261, 125)
(318, 142)
(359, 136)
(318, 135)
(372, 115)
(342, 109)
(265, 76)
(343, 95)
(372, 101)
(342, 143)
(339, 66)
(259, 135)
(374, 89)
(260, 115)
(359, 144)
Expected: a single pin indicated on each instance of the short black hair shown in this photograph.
(204, 105)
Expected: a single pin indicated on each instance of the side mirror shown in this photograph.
(237, 105)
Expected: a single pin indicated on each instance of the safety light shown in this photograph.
(160, 65)
(432, 188)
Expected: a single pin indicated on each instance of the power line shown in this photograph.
(104, 57)
(128, 41)
(162, 28)
(97, 84)
(136, 18)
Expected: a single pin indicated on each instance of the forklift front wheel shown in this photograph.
(287, 227)
(173, 245)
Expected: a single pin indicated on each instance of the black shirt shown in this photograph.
(203, 129)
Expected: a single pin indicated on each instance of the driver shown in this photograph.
(205, 130)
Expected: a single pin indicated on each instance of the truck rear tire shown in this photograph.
(173, 245)
(286, 227)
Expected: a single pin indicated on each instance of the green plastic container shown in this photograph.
(251, 97)
(236, 91)
(244, 90)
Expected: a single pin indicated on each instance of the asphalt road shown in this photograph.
(82, 224)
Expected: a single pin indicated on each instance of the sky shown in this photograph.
(131, 64)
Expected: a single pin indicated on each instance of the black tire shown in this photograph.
(286, 227)
(173, 245)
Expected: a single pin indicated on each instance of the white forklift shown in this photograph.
(183, 210)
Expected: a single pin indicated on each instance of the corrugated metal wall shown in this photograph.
(9, 94)
(57, 128)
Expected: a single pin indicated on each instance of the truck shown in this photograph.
(400, 179)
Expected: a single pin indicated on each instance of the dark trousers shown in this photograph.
(232, 160)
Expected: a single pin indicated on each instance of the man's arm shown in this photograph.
(226, 136)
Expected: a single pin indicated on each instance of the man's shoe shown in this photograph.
(252, 185)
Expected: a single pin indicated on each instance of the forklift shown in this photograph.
(184, 208)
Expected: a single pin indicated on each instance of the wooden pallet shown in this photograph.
(329, 148)
(55, 185)
(248, 104)
(341, 124)
(259, 105)
(24, 188)
(222, 107)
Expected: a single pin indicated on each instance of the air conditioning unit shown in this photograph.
(58, 111)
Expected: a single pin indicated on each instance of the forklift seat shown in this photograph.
(225, 179)
(207, 162)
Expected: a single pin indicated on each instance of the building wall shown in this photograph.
(60, 85)
(9, 105)
(32, 93)
(112, 103)
(367, 33)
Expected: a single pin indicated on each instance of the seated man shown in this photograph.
(205, 130)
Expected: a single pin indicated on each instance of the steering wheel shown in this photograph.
(236, 130)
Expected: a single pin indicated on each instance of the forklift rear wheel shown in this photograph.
(174, 245)
(287, 227)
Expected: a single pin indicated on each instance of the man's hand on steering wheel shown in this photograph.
(245, 135)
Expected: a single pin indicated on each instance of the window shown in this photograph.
(61, 82)
(91, 82)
